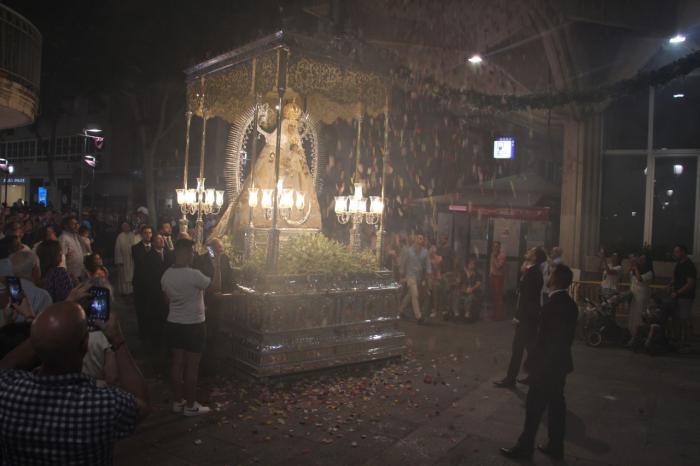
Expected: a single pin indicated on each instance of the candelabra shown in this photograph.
(200, 201)
(288, 201)
(354, 208)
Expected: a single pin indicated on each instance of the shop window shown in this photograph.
(622, 206)
(677, 115)
(674, 205)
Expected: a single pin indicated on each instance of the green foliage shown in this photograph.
(312, 254)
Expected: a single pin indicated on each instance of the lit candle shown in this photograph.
(266, 201)
(300, 200)
(341, 204)
(253, 197)
(376, 205)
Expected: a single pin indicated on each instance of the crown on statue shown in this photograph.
(292, 111)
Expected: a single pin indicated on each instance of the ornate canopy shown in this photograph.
(331, 78)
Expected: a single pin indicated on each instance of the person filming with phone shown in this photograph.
(35, 402)
(26, 273)
(185, 329)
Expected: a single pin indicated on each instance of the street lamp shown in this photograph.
(89, 132)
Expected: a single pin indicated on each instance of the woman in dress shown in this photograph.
(54, 278)
(641, 274)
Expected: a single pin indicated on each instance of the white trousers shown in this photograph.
(413, 296)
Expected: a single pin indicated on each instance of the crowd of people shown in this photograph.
(652, 306)
(53, 347)
(438, 284)
(55, 260)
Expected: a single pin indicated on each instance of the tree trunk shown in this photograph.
(150, 184)
(149, 145)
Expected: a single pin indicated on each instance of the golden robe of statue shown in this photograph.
(294, 173)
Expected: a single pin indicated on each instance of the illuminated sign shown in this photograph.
(504, 148)
(42, 195)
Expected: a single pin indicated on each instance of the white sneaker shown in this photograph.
(433, 315)
(178, 406)
(196, 410)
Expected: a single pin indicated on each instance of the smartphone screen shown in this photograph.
(15, 286)
(98, 308)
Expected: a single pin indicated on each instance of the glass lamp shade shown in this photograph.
(253, 197)
(300, 201)
(181, 196)
(266, 201)
(341, 204)
(376, 205)
(210, 197)
(219, 197)
(358, 191)
(358, 205)
(191, 197)
(286, 200)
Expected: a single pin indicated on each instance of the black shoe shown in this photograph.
(517, 452)
(525, 381)
(420, 321)
(555, 453)
(505, 383)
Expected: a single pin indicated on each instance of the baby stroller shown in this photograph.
(601, 324)
(652, 335)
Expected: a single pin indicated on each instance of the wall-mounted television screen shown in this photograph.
(504, 148)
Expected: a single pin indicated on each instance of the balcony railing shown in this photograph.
(20, 49)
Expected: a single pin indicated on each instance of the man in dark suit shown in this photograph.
(139, 253)
(550, 363)
(157, 262)
(527, 314)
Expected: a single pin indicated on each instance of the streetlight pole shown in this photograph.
(90, 128)
(80, 183)
(10, 171)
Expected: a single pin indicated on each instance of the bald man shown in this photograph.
(58, 394)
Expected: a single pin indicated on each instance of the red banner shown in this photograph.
(522, 213)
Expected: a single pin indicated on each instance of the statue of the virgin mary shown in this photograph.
(294, 174)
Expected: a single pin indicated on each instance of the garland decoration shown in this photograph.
(548, 100)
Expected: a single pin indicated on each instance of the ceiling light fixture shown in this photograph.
(475, 59)
(678, 96)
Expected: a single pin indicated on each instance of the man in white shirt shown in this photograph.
(185, 329)
(24, 266)
(72, 247)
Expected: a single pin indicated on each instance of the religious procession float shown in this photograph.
(301, 301)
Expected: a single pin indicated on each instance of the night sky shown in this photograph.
(96, 48)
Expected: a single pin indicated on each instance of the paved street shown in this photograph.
(437, 406)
